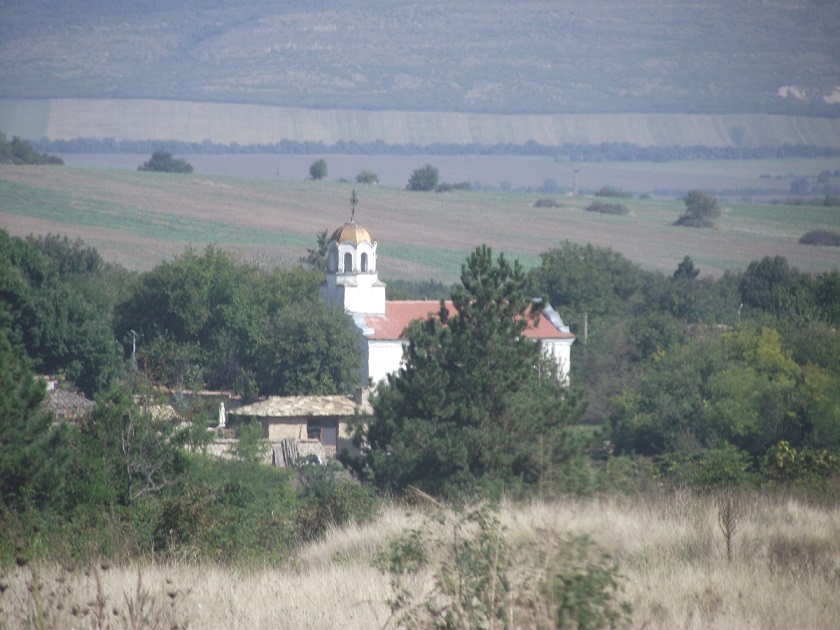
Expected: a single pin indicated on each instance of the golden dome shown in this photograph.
(353, 233)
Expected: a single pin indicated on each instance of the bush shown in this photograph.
(367, 177)
(547, 202)
(444, 187)
(330, 497)
(821, 237)
(607, 208)
(318, 170)
(700, 210)
(724, 467)
(163, 162)
(482, 579)
(424, 179)
(611, 191)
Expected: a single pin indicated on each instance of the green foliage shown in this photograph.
(608, 208)
(56, 306)
(32, 451)
(461, 414)
(163, 162)
(700, 210)
(19, 152)
(828, 238)
(330, 498)
(773, 286)
(208, 319)
(806, 466)
(139, 453)
(309, 348)
(367, 177)
(579, 279)
(424, 178)
(227, 511)
(737, 387)
(316, 257)
(250, 446)
(481, 579)
(717, 468)
(318, 169)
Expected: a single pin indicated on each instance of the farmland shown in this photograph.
(139, 219)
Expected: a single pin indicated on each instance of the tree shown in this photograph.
(316, 257)
(475, 405)
(309, 348)
(686, 270)
(31, 450)
(700, 210)
(318, 169)
(424, 178)
(582, 278)
(138, 454)
(367, 177)
(163, 162)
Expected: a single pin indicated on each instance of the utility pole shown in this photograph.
(133, 350)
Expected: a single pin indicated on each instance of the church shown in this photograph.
(353, 283)
(317, 426)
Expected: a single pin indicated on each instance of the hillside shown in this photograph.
(476, 56)
(139, 219)
(226, 123)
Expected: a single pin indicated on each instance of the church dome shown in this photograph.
(353, 233)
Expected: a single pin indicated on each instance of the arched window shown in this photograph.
(348, 262)
(333, 264)
(364, 262)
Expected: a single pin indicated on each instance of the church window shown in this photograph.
(333, 261)
(364, 262)
(348, 262)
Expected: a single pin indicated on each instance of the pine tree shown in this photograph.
(456, 418)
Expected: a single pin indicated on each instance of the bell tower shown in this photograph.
(352, 280)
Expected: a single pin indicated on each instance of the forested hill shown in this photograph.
(474, 56)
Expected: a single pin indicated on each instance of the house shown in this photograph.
(305, 425)
(353, 283)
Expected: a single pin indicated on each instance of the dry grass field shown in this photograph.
(140, 219)
(784, 572)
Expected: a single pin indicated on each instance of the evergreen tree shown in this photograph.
(456, 419)
(31, 450)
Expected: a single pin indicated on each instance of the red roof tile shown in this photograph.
(399, 314)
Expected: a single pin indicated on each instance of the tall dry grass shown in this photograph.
(784, 572)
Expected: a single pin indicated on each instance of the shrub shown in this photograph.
(821, 237)
(367, 177)
(724, 467)
(547, 202)
(163, 162)
(330, 497)
(607, 208)
(700, 209)
(318, 169)
(424, 178)
(482, 579)
(611, 191)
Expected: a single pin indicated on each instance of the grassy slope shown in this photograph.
(786, 558)
(139, 219)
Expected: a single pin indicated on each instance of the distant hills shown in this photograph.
(509, 58)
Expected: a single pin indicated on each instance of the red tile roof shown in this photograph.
(399, 314)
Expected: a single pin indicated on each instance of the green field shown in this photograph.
(139, 219)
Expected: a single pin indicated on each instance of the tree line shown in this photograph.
(574, 152)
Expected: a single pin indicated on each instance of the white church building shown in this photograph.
(353, 283)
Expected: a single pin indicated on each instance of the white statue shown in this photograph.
(222, 418)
